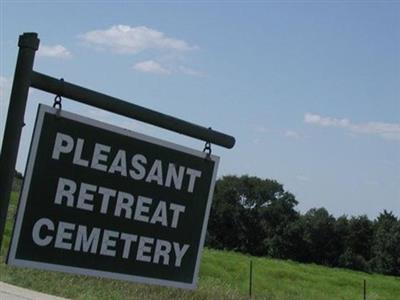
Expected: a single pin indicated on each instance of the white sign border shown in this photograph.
(12, 260)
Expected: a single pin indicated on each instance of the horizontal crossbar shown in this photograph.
(65, 89)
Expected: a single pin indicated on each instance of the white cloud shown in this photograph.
(287, 133)
(261, 129)
(390, 131)
(57, 51)
(257, 141)
(189, 71)
(151, 66)
(325, 121)
(132, 40)
(293, 134)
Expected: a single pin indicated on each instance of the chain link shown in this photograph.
(207, 147)
(57, 99)
(57, 102)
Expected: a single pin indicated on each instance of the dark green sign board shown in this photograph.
(104, 201)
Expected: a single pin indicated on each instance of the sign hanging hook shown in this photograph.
(207, 147)
(57, 99)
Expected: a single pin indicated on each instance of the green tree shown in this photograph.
(386, 245)
(247, 212)
(359, 238)
(321, 237)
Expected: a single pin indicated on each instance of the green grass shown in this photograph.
(223, 275)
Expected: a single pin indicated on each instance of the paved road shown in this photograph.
(12, 292)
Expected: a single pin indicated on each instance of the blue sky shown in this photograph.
(310, 90)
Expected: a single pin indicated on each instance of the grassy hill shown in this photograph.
(223, 275)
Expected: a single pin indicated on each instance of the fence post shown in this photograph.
(28, 43)
(251, 278)
(365, 289)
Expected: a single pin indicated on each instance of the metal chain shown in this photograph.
(57, 102)
(57, 99)
(207, 147)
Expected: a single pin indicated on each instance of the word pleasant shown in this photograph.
(136, 166)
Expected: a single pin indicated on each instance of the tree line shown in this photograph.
(258, 217)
